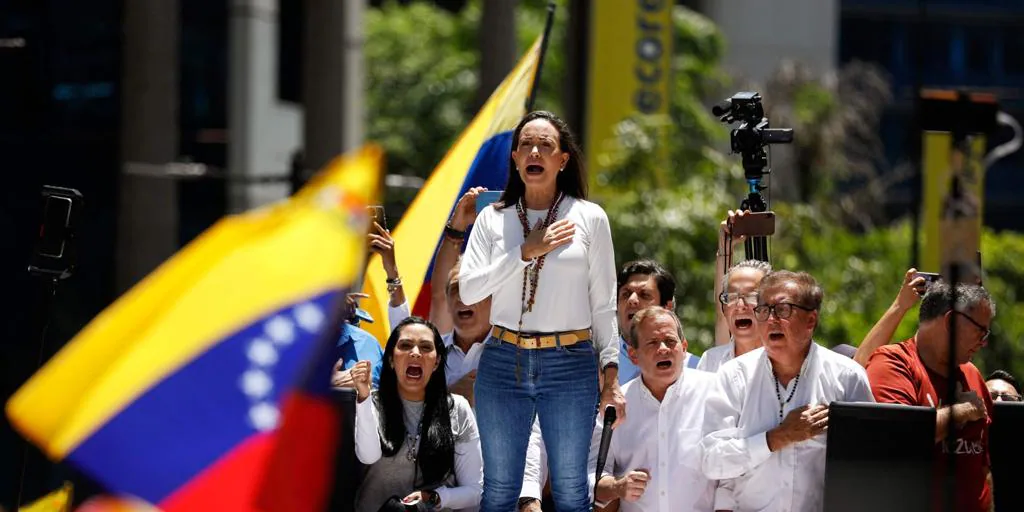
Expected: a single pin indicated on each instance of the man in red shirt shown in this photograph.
(915, 372)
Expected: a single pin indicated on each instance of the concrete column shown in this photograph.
(147, 224)
(263, 132)
(332, 89)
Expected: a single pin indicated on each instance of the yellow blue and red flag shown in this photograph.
(479, 158)
(174, 393)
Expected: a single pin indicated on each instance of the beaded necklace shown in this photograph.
(531, 273)
(778, 394)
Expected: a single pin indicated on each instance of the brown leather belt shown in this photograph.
(532, 341)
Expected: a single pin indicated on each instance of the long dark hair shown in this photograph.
(572, 181)
(436, 455)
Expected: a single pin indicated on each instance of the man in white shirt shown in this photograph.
(654, 458)
(764, 426)
(642, 283)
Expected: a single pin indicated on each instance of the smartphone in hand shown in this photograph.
(377, 215)
(486, 198)
(754, 224)
(930, 278)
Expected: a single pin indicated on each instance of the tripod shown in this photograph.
(756, 247)
(750, 140)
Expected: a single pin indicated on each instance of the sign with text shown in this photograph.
(629, 69)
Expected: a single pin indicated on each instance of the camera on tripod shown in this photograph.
(750, 140)
(753, 134)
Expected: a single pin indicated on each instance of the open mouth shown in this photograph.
(534, 169)
(464, 314)
(629, 316)
(776, 336)
(664, 365)
(743, 323)
(414, 372)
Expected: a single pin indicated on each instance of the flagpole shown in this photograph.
(540, 58)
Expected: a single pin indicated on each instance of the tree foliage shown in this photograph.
(422, 71)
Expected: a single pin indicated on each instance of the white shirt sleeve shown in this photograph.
(397, 314)
(702, 364)
(601, 258)
(728, 452)
(859, 387)
(367, 433)
(469, 462)
(480, 275)
(536, 472)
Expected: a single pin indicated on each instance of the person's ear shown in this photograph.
(671, 305)
(633, 356)
(565, 161)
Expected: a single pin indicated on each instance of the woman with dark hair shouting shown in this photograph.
(544, 255)
(420, 442)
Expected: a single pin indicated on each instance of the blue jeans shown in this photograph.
(559, 385)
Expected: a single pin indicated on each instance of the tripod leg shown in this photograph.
(757, 248)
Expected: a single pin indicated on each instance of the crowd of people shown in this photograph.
(495, 402)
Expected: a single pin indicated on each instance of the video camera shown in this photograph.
(750, 140)
(753, 133)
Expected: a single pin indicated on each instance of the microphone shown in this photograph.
(606, 440)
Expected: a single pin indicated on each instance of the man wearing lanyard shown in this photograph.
(764, 426)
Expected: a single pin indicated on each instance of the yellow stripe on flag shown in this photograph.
(239, 270)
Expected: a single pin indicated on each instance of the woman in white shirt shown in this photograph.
(420, 442)
(737, 301)
(544, 255)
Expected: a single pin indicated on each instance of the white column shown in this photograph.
(263, 132)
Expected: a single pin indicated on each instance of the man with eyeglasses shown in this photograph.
(915, 372)
(1003, 387)
(764, 426)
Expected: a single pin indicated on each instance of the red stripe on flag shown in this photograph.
(227, 485)
(422, 306)
(300, 472)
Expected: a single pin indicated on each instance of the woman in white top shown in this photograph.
(544, 255)
(420, 442)
(737, 296)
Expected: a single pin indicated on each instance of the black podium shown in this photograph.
(879, 457)
(1006, 450)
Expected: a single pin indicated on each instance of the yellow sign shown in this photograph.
(629, 69)
(938, 163)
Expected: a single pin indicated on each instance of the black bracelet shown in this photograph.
(449, 231)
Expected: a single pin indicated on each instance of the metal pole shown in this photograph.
(540, 60)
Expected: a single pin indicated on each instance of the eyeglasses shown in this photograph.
(1005, 397)
(729, 299)
(782, 310)
(985, 331)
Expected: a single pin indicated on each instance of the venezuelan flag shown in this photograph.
(478, 159)
(174, 392)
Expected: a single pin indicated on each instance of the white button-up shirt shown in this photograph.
(745, 406)
(714, 357)
(664, 439)
(459, 363)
